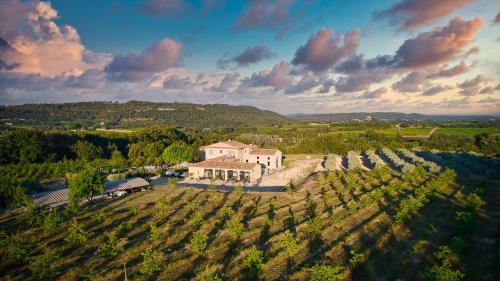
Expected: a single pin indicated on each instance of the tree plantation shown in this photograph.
(375, 207)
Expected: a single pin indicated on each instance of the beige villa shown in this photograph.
(235, 161)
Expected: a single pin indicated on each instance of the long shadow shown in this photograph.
(390, 209)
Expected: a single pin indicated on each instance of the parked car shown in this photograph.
(120, 193)
(172, 174)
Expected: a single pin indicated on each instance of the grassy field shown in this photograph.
(469, 131)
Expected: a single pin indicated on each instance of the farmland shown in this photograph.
(359, 224)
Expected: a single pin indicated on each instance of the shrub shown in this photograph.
(473, 202)
(112, 247)
(225, 212)
(152, 260)
(134, 209)
(51, 221)
(76, 234)
(44, 266)
(288, 244)
(154, 233)
(254, 262)
(98, 216)
(197, 220)
(125, 227)
(325, 273)
(235, 228)
(15, 247)
(356, 259)
(198, 242)
(30, 217)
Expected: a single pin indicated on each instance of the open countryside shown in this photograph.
(247, 140)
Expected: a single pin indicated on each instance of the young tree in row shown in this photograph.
(152, 260)
(112, 247)
(198, 242)
(325, 273)
(254, 262)
(76, 234)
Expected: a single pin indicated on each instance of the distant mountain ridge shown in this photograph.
(140, 113)
(385, 116)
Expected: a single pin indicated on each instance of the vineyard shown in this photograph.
(415, 221)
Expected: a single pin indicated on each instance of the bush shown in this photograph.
(198, 242)
(30, 217)
(473, 202)
(154, 233)
(288, 244)
(76, 234)
(152, 260)
(112, 247)
(356, 259)
(325, 273)
(15, 247)
(44, 267)
(51, 221)
(98, 216)
(254, 262)
(235, 228)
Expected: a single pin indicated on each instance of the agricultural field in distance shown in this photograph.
(384, 215)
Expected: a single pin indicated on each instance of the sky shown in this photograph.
(289, 56)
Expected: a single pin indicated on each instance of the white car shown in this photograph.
(172, 174)
(120, 193)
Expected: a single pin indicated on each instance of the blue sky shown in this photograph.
(168, 50)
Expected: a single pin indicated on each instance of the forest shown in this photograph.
(133, 114)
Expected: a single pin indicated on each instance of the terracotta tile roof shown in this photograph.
(263, 151)
(224, 165)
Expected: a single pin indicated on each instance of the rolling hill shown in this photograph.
(137, 114)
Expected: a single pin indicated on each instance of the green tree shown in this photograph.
(111, 247)
(235, 228)
(198, 242)
(44, 266)
(154, 233)
(15, 247)
(151, 263)
(325, 273)
(254, 262)
(288, 244)
(52, 220)
(86, 184)
(76, 234)
(86, 151)
(177, 153)
(117, 160)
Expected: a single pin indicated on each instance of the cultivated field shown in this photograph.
(378, 224)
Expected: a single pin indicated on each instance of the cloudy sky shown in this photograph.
(290, 56)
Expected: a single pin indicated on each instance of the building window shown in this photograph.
(257, 157)
(221, 152)
(268, 158)
(247, 160)
(258, 162)
(268, 163)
